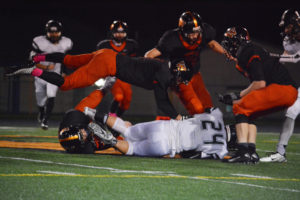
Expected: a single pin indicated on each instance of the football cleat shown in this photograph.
(254, 158)
(44, 124)
(103, 133)
(274, 157)
(238, 158)
(16, 70)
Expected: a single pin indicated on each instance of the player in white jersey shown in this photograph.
(290, 23)
(204, 134)
(45, 92)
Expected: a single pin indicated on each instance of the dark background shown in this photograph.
(87, 22)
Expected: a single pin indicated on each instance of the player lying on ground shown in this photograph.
(203, 136)
(151, 74)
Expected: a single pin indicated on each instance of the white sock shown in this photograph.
(119, 126)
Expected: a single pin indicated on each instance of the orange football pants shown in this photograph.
(263, 101)
(122, 93)
(194, 95)
(89, 68)
(92, 100)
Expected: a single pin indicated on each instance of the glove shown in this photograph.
(229, 98)
(105, 84)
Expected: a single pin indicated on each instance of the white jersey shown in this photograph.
(291, 47)
(41, 44)
(204, 133)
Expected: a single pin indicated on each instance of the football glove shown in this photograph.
(229, 98)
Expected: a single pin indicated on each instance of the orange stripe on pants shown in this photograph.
(268, 98)
(195, 96)
(102, 64)
(92, 101)
(122, 93)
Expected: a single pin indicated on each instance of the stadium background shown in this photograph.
(87, 23)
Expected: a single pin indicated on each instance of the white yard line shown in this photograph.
(59, 173)
(166, 174)
(251, 176)
(113, 170)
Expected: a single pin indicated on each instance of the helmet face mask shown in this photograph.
(190, 26)
(233, 38)
(53, 31)
(74, 139)
(118, 31)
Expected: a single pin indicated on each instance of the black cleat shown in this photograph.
(254, 158)
(239, 158)
(44, 124)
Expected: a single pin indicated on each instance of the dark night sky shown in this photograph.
(87, 22)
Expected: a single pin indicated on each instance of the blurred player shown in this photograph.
(119, 42)
(204, 135)
(271, 89)
(186, 43)
(290, 24)
(45, 92)
(151, 74)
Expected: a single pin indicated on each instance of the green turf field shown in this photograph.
(43, 174)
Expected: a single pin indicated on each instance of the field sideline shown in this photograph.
(27, 173)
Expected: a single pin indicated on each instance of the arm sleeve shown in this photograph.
(163, 101)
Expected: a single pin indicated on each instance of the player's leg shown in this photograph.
(190, 99)
(285, 134)
(91, 101)
(127, 95)
(118, 96)
(41, 97)
(51, 94)
(201, 91)
(256, 102)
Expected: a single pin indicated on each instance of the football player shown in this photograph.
(203, 136)
(45, 92)
(119, 42)
(290, 24)
(185, 43)
(151, 74)
(271, 89)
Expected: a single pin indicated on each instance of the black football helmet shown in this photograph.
(181, 73)
(118, 27)
(190, 22)
(75, 139)
(233, 38)
(290, 24)
(53, 31)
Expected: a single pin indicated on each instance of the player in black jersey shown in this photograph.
(271, 88)
(150, 74)
(120, 43)
(186, 43)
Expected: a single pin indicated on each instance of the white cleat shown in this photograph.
(274, 157)
(105, 135)
(20, 71)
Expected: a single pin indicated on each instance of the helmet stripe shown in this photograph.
(69, 138)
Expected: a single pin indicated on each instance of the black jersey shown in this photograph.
(129, 47)
(74, 118)
(150, 74)
(174, 47)
(256, 64)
